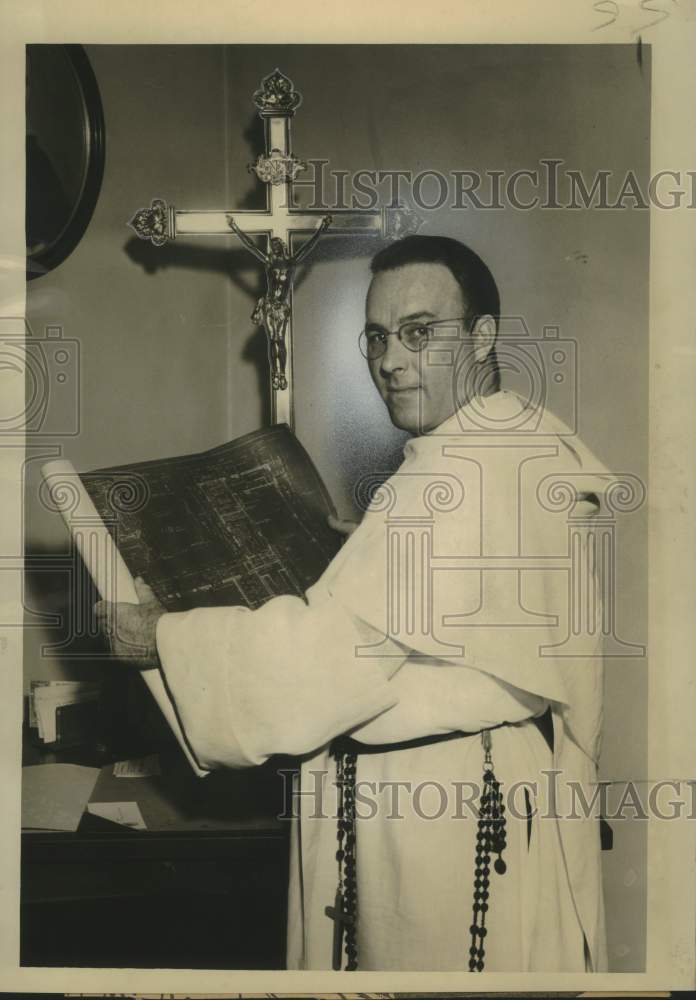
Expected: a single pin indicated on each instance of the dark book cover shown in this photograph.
(235, 525)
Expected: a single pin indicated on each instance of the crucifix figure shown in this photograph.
(280, 222)
(273, 309)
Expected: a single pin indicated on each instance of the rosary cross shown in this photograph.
(341, 920)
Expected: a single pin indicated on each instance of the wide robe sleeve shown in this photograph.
(435, 698)
(281, 679)
(286, 679)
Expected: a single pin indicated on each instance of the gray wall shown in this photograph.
(153, 345)
(172, 363)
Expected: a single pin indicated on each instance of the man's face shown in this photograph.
(418, 388)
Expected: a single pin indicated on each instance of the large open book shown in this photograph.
(236, 525)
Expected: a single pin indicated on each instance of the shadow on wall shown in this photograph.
(58, 598)
(61, 642)
(248, 276)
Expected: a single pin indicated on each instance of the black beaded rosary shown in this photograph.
(490, 839)
(344, 911)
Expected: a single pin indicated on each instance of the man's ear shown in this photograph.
(483, 334)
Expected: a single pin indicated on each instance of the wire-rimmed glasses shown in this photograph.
(414, 335)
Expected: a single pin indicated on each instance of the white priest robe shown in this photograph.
(449, 609)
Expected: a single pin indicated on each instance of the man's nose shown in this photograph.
(395, 357)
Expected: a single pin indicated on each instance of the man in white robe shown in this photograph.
(440, 617)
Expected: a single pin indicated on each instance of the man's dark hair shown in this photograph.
(479, 290)
(478, 286)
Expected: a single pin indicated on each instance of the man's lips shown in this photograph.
(402, 388)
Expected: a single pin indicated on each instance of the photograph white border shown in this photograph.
(671, 856)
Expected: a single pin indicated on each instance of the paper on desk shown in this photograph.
(61, 691)
(123, 813)
(48, 698)
(54, 796)
(138, 767)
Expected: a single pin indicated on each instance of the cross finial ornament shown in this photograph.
(276, 226)
(276, 95)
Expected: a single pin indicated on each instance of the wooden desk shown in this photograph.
(204, 887)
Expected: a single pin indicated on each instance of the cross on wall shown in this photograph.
(279, 223)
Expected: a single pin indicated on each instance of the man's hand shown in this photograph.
(342, 527)
(131, 628)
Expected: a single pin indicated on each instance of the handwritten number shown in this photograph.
(645, 5)
(606, 7)
(611, 8)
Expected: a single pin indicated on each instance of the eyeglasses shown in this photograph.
(414, 335)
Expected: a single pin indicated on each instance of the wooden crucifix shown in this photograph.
(342, 920)
(278, 224)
